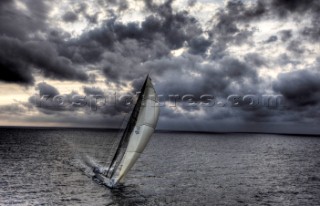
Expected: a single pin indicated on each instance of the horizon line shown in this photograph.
(157, 130)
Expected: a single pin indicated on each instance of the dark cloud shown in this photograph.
(286, 35)
(48, 100)
(192, 2)
(222, 78)
(237, 12)
(93, 91)
(231, 27)
(301, 91)
(278, 8)
(70, 17)
(95, 102)
(271, 39)
(313, 31)
(296, 47)
(18, 58)
(296, 8)
(19, 24)
(14, 71)
(43, 100)
(255, 60)
(13, 109)
(199, 45)
(83, 10)
(46, 89)
(301, 87)
(176, 27)
(283, 60)
(121, 49)
(284, 7)
(23, 49)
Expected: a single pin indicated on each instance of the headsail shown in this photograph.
(136, 135)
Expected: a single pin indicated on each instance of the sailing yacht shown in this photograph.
(135, 137)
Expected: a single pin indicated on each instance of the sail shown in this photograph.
(141, 125)
(117, 158)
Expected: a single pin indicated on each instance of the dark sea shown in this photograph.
(54, 167)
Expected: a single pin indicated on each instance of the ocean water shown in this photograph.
(53, 167)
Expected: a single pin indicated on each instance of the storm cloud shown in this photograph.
(236, 48)
(23, 50)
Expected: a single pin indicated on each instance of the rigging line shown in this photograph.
(129, 128)
(122, 149)
(121, 143)
(116, 137)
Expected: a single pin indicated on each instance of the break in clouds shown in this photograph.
(221, 48)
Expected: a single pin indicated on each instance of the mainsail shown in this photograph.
(135, 137)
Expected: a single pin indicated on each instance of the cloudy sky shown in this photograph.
(237, 53)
